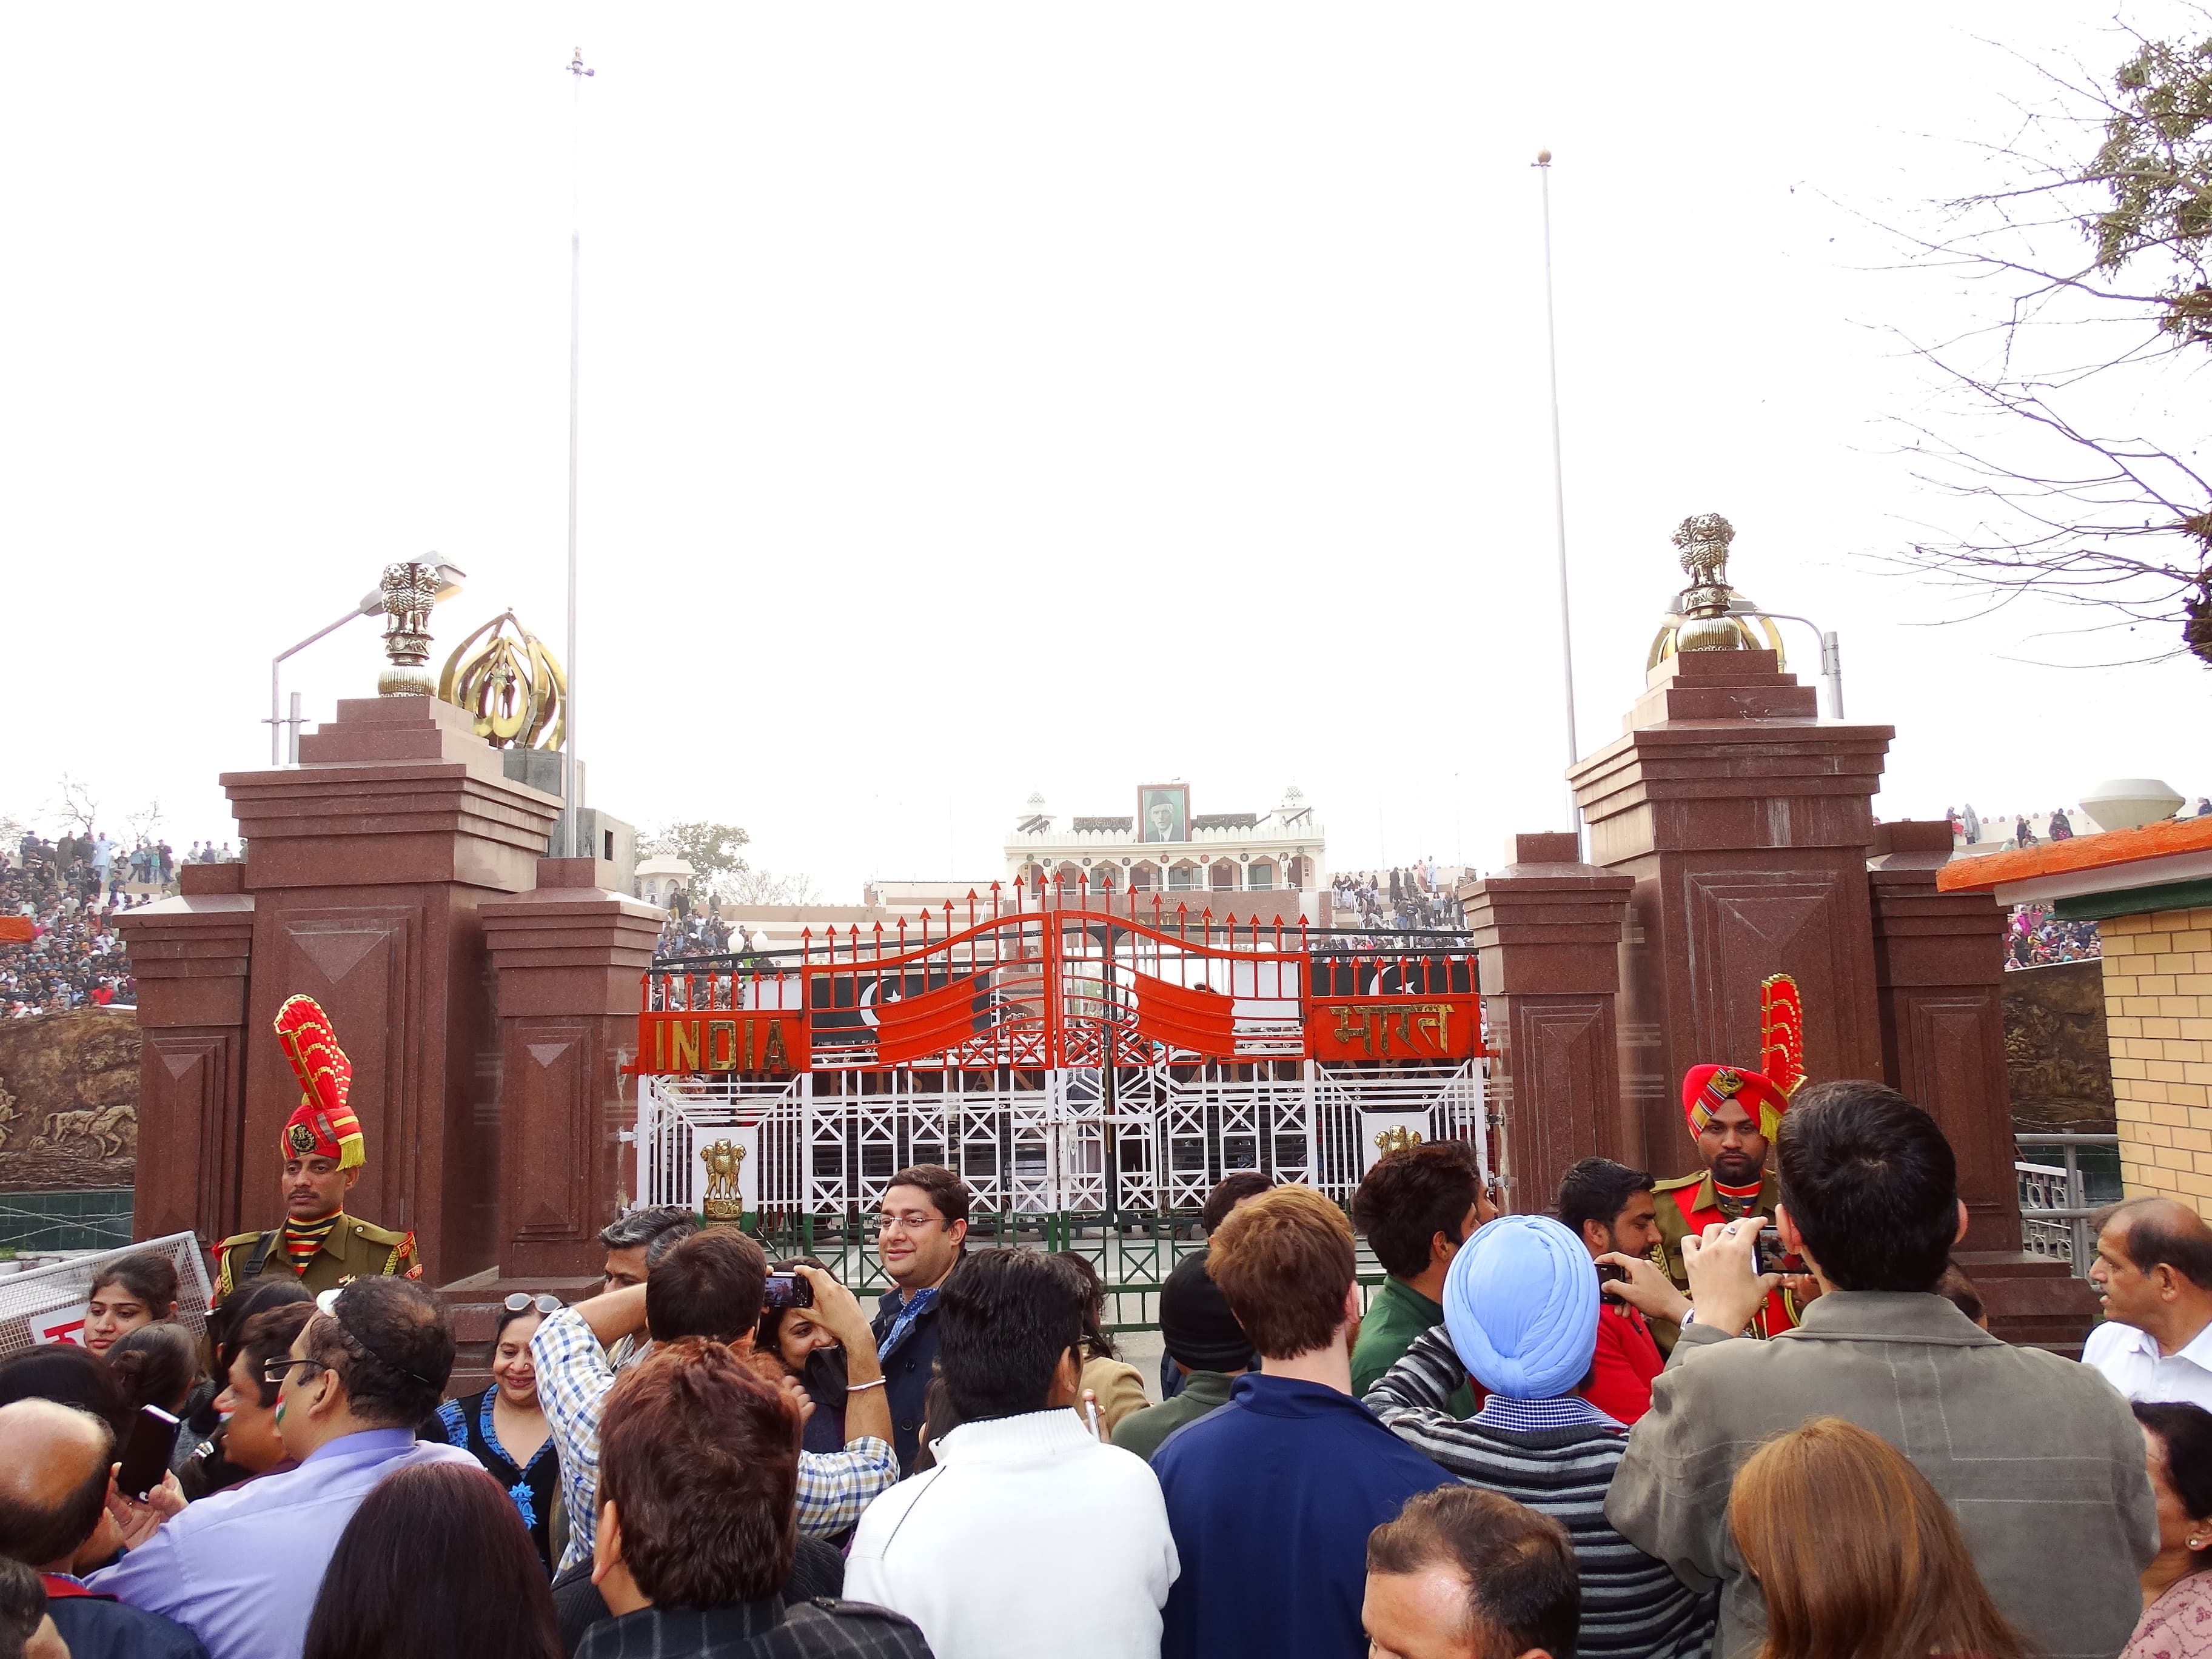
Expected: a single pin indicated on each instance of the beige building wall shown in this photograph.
(2158, 1008)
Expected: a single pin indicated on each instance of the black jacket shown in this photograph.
(907, 1371)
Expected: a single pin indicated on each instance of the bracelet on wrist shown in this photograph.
(861, 1388)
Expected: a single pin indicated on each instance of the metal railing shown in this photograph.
(2057, 1200)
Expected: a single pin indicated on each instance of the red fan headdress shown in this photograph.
(323, 1125)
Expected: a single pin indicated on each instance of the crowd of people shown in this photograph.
(2034, 937)
(1403, 899)
(59, 948)
(1536, 1440)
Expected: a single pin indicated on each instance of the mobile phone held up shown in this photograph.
(146, 1453)
(1772, 1258)
(1612, 1272)
(787, 1290)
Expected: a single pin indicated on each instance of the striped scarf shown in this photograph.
(303, 1238)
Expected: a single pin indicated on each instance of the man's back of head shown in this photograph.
(710, 1285)
(1462, 1563)
(1007, 1320)
(1285, 1262)
(53, 1482)
(1230, 1191)
(1412, 1195)
(1871, 1186)
(390, 1344)
(699, 1459)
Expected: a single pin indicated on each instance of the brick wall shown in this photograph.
(2158, 1004)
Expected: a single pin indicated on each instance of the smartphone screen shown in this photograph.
(146, 1454)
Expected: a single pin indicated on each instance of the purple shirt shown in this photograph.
(240, 1569)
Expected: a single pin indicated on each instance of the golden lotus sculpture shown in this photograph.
(511, 682)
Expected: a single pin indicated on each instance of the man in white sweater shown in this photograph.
(1084, 1571)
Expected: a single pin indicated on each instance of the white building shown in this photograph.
(1166, 847)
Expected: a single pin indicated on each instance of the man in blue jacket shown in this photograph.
(1271, 1498)
(921, 1230)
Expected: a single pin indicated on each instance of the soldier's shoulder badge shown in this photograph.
(1677, 1182)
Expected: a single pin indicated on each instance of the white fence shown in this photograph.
(826, 1142)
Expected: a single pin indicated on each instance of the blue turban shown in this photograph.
(1521, 1305)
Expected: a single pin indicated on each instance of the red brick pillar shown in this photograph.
(570, 959)
(1939, 977)
(1548, 927)
(1939, 966)
(189, 955)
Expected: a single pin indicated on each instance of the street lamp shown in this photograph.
(1832, 657)
(284, 742)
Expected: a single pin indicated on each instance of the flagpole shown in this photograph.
(569, 791)
(1559, 497)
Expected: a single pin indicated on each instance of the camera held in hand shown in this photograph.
(1770, 1257)
(786, 1290)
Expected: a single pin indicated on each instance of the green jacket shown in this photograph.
(1398, 1313)
(1143, 1432)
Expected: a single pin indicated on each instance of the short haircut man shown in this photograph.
(696, 1528)
(240, 1569)
(636, 1240)
(54, 1485)
(921, 1227)
(1291, 1446)
(1595, 1190)
(1466, 1571)
(1612, 1209)
(2154, 1275)
(1228, 1193)
(1416, 1207)
(710, 1284)
(2023, 1445)
(1010, 1354)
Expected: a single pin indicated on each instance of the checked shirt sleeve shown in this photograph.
(572, 1380)
(834, 1487)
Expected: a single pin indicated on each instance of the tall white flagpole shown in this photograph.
(1559, 495)
(569, 789)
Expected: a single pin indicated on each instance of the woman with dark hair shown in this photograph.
(248, 1442)
(1896, 1584)
(159, 1365)
(503, 1427)
(434, 1565)
(801, 1346)
(1116, 1388)
(130, 1292)
(2177, 1590)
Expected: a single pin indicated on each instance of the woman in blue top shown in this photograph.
(503, 1427)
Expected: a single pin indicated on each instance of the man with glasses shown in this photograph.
(921, 1230)
(240, 1569)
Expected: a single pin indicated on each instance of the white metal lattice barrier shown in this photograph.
(826, 1142)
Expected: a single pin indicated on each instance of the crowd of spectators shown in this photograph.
(715, 1455)
(59, 948)
(2034, 937)
(1404, 899)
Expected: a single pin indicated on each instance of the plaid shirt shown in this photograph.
(757, 1630)
(572, 1380)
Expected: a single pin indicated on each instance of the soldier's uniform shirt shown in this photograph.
(1689, 1204)
(354, 1249)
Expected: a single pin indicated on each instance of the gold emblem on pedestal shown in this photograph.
(512, 686)
(725, 1200)
(1396, 1138)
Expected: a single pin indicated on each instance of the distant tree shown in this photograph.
(145, 824)
(711, 849)
(77, 807)
(2099, 240)
(760, 887)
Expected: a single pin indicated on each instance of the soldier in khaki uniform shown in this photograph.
(1733, 1115)
(319, 1244)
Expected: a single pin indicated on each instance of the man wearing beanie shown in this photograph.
(1271, 1497)
(1207, 1347)
(1521, 1313)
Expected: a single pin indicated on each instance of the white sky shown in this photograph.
(983, 398)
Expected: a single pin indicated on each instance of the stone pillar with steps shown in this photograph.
(1548, 929)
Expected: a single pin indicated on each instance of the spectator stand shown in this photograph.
(1092, 1066)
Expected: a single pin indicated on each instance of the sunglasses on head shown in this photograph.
(522, 1301)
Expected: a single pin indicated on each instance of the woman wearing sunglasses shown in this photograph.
(504, 1427)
